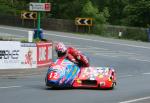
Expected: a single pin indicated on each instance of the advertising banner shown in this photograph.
(44, 54)
(9, 54)
(28, 55)
(17, 55)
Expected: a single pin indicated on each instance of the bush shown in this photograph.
(136, 34)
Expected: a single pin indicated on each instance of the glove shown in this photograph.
(78, 57)
(74, 61)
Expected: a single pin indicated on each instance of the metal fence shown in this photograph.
(69, 26)
(127, 32)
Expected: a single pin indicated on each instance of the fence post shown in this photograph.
(148, 32)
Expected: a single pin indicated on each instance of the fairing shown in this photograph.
(67, 74)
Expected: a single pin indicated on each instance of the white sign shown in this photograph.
(40, 6)
(9, 54)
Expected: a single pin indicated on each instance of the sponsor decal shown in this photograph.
(9, 54)
(44, 54)
(68, 70)
(100, 76)
(92, 78)
(75, 70)
(79, 81)
(62, 80)
(28, 58)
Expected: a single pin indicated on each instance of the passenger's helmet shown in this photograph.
(60, 49)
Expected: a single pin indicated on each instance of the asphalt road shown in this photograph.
(130, 59)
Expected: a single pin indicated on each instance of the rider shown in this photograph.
(61, 49)
(72, 54)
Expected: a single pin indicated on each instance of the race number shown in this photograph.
(53, 76)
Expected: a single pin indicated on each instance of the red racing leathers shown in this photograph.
(77, 57)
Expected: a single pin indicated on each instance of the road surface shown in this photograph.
(130, 59)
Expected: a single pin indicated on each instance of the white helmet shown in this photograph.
(60, 47)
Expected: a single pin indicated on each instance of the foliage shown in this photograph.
(137, 13)
(116, 12)
(11, 7)
(115, 8)
(100, 18)
(134, 35)
(63, 9)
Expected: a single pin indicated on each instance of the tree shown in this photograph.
(100, 18)
(63, 9)
(137, 13)
(115, 8)
(13, 7)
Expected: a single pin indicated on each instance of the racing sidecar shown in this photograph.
(64, 73)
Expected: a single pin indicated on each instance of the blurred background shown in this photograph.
(126, 19)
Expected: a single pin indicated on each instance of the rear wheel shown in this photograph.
(48, 86)
(113, 85)
(46, 81)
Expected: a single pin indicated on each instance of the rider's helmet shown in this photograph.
(60, 49)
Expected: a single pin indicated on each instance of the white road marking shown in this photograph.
(146, 73)
(82, 48)
(10, 87)
(81, 38)
(142, 60)
(100, 41)
(10, 35)
(124, 52)
(113, 56)
(8, 28)
(124, 76)
(135, 100)
(98, 48)
(5, 34)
